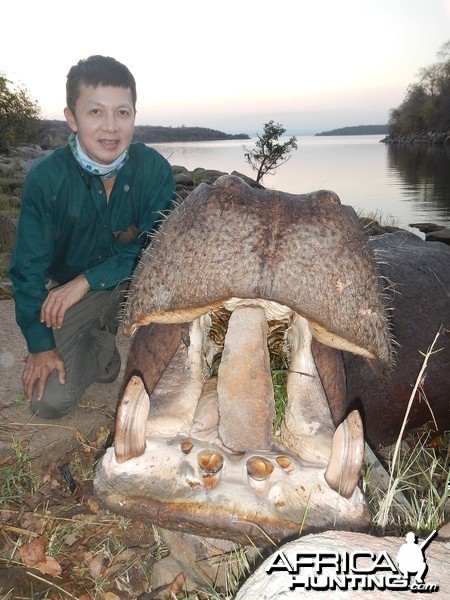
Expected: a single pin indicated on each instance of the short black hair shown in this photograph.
(98, 70)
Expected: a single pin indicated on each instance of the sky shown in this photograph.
(311, 65)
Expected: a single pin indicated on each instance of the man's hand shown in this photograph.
(60, 299)
(38, 368)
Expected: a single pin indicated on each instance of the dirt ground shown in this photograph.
(99, 554)
(49, 440)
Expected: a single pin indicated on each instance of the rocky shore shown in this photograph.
(426, 137)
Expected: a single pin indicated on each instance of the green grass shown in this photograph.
(6, 210)
(16, 475)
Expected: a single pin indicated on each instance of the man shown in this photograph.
(87, 211)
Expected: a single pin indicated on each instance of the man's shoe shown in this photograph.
(112, 369)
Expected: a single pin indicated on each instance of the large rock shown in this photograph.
(334, 547)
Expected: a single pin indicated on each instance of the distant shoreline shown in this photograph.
(358, 130)
(54, 133)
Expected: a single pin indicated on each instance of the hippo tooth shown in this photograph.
(347, 455)
(259, 468)
(210, 464)
(186, 446)
(131, 420)
(284, 461)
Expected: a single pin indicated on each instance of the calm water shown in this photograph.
(398, 184)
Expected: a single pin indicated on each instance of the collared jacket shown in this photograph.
(66, 227)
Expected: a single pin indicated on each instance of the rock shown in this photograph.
(15, 184)
(433, 232)
(179, 169)
(206, 175)
(5, 259)
(183, 192)
(338, 545)
(443, 235)
(6, 290)
(372, 227)
(428, 137)
(184, 179)
(14, 202)
(206, 562)
(8, 229)
(165, 572)
(248, 180)
(6, 169)
(426, 227)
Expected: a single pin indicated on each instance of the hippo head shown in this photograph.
(195, 447)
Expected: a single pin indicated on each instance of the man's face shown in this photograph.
(104, 120)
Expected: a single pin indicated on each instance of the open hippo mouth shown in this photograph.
(197, 451)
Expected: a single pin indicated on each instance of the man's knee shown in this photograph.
(47, 410)
(56, 402)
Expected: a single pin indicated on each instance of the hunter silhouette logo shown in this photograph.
(358, 570)
(411, 558)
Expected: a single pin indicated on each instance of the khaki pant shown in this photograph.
(86, 342)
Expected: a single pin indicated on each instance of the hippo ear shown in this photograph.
(347, 454)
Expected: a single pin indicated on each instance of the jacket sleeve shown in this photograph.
(153, 195)
(30, 261)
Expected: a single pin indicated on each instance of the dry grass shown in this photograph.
(418, 467)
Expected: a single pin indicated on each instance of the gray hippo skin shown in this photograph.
(195, 450)
(417, 292)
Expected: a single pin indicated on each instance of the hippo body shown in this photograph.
(417, 293)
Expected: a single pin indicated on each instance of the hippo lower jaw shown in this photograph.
(199, 453)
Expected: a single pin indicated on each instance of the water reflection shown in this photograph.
(425, 174)
(400, 184)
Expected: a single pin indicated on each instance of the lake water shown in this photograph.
(397, 184)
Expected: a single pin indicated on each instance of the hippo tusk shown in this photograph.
(344, 468)
(131, 421)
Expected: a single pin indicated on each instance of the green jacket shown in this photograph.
(66, 227)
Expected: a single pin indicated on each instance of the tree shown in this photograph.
(426, 106)
(19, 115)
(269, 153)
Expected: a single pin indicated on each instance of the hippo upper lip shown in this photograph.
(305, 252)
